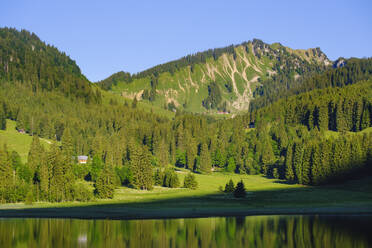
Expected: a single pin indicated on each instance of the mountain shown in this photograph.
(223, 79)
(24, 58)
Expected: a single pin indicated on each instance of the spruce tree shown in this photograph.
(230, 165)
(306, 177)
(190, 182)
(67, 144)
(240, 191)
(289, 172)
(205, 159)
(6, 176)
(140, 165)
(316, 170)
(365, 121)
(105, 184)
(35, 154)
(297, 161)
(229, 187)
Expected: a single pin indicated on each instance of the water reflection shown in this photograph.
(257, 231)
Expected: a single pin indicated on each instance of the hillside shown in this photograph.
(219, 80)
(24, 58)
(18, 142)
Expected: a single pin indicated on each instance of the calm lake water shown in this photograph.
(254, 231)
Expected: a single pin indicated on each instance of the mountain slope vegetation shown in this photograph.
(314, 136)
(223, 79)
(25, 58)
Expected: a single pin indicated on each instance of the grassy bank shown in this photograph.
(265, 196)
(18, 142)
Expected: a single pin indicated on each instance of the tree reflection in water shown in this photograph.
(254, 231)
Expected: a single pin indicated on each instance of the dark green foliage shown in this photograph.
(205, 160)
(159, 177)
(29, 198)
(125, 143)
(330, 108)
(229, 187)
(276, 173)
(272, 90)
(230, 165)
(25, 58)
(171, 179)
(140, 166)
(289, 172)
(35, 154)
(125, 175)
(240, 191)
(190, 182)
(114, 79)
(105, 184)
(180, 159)
(81, 191)
(214, 97)
(96, 167)
(2, 119)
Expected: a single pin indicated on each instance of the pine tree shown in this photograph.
(190, 182)
(297, 161)
(365, 122)
(140, 165)
(340, 118)
(306, 179)
(229, 187)
(325, 160)
(35, 154)
(105, 184)
(323, 118)
(96, 167)
(67, 144)
(230, 165)
(240, 191)
(6, 175)
(289, 173)
(159, 177)
(205, 159)
(316, 171)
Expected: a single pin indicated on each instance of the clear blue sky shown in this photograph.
(104, 37)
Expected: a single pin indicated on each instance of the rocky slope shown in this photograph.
(219, 84)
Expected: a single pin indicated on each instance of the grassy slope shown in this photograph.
(18, 142)
(191, 88)
(146, 106)
(265, 196)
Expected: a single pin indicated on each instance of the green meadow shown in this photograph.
(18, 142)
(264, 196)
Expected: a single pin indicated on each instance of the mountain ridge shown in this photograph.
(236, 71)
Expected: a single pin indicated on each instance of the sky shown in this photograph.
(105, 37)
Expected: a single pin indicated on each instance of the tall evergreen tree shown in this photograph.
(316, 170)
(289, 172)
(205, 159)
(35, 154)
(140, 164)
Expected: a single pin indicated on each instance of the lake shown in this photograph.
(231, 232)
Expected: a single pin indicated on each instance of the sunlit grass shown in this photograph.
(18, 142)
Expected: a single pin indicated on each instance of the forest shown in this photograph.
(317, 134)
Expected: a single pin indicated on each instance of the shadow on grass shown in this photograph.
(307, 200)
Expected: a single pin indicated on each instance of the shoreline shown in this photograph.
(123, 213)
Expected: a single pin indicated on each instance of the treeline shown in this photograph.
(25, 58)
(114, 79)
(173, 66)
(338, 109)
(281, 86)
(320, 161)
